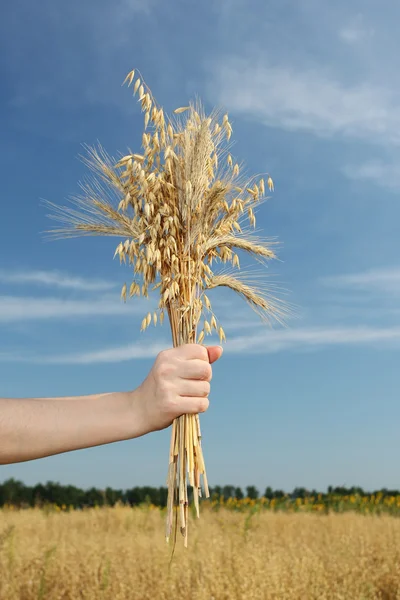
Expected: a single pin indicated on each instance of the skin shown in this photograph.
(178, 383)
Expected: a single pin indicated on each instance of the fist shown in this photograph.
(178, 384)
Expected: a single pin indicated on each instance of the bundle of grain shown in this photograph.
(178, 209)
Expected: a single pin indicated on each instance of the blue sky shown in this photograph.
(313, 93)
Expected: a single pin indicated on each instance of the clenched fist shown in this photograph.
(178, 383)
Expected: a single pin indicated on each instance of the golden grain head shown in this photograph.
(182, 109)
(129, 78)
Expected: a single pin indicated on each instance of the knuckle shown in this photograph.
(170, 403)
(163, 355)
(185, 351)
(203, 405)
(165, 389)
(159, 371)
(164, 368)
(205, 388)
(202, 352)
(207, 372)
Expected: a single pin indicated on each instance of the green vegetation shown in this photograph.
(338, 499)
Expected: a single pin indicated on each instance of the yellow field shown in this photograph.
(120, 553)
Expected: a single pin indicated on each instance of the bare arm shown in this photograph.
(177, 384)
(37, 427)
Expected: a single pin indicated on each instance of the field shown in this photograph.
(240, 551)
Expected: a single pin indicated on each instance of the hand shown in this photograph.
(178, 384)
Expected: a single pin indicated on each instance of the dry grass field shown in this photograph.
(120, 553)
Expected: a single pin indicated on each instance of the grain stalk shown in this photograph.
(177, 208)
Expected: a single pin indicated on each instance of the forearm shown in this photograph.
(38, 427)
(178, 384)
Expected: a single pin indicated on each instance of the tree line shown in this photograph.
(21, 495)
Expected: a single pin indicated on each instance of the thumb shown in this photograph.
(214, 353)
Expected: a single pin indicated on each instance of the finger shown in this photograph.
(192, 351)
(192, 388)
(214, 353)
(192, 405)
(195, 369)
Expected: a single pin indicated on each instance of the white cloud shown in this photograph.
(306, 100)
(385, 280)
(264, 342)
(312, 339)
(55, 279)
(354, 34)
(108, 355)
(381, 173)
(356, 31)
(17, 308)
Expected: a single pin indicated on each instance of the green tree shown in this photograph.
(252, 492)
(228, 491)
(239, 493)
(269, 493)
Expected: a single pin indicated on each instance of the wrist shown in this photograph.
(135, 417)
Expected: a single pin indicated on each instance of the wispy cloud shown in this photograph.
(385, 280)
(313, 339)
(265, 342)
(381, 173)
(55, 279)
(139, 350)
(356, 31)
(17, 308)
(354, 34)
(306, 100)
(29, 308)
